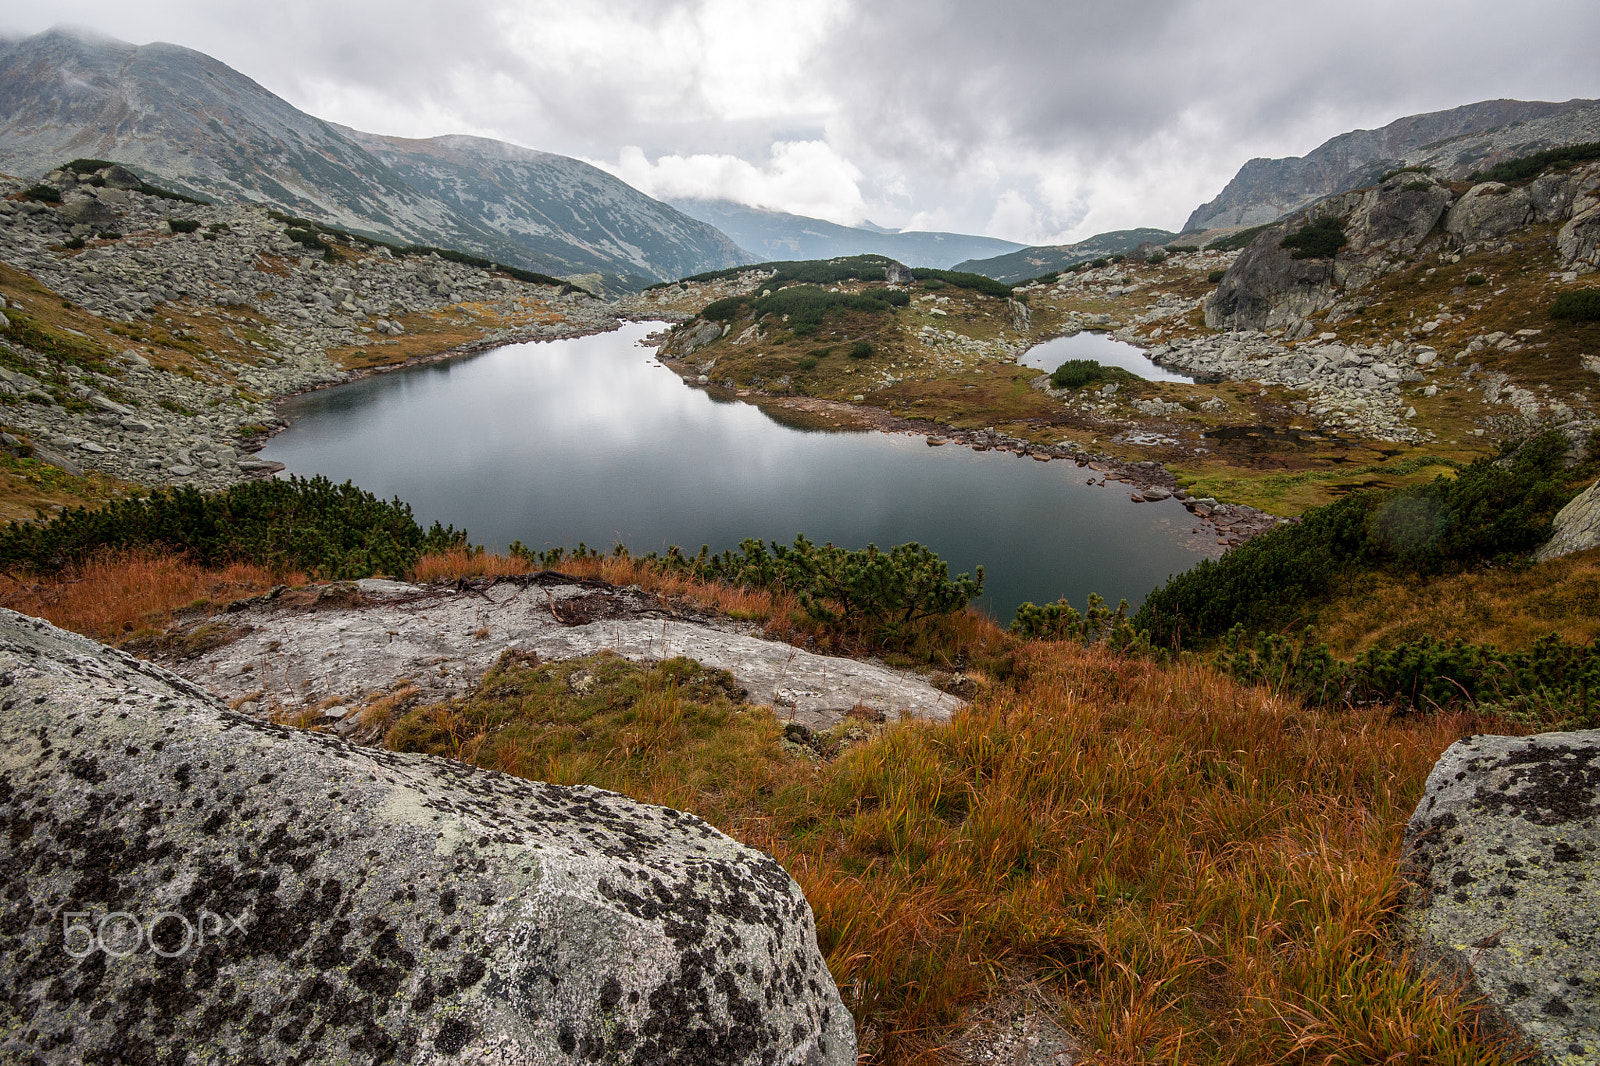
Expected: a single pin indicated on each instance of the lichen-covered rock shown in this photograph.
(187, 885)
(1502, 862)
(1553, 194)
(1579, 240)
(1576, 527)
(1489, 210)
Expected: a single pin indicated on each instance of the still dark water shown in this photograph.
(590, 439)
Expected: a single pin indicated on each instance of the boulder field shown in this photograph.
(185, 884)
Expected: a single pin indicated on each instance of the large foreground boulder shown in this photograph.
(184, 885)
(1502, 862)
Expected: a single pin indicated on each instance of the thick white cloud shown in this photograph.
(805, 177)
(1035, 120)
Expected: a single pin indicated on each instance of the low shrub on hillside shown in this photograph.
(1492, 511)
(1239, 241)
(1076, 373)
(1061, 621)
(1416, 168)
(1215, 276)
(46, 193)
(808, 305)
(876, 594)
(961, 279)
(1553, 684)
(861, 350)
(725, 310)
(183, 225)
(1576, 305)
(1319, 239)
(867, 267)
(306, 237)
(333, 531)
(1531, 166)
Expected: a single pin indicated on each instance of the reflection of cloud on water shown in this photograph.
(590, 439)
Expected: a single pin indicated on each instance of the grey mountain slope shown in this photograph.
(1454, 142)
(776, 235)
(196, 124)
(524, 194)
(1028, 263)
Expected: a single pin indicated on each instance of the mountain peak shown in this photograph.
(1454, 142)
(200, 126)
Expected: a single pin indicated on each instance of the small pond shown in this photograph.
(1101, 347)
(590, 439)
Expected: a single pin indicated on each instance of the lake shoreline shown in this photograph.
(1147, 480)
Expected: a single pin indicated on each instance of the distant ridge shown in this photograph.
(201, 127)
(1042, 259)
(1454, 142)
(778, 235)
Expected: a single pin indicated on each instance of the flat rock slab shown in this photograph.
(352, 641)
(184, 884)
(1502, 859)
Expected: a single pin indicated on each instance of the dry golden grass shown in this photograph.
(1506, 608)
(1204, 872)
(466, 563)
(121, 593)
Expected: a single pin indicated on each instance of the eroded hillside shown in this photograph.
(145, 336)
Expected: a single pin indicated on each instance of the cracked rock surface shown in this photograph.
(365, 906)
(302, 648)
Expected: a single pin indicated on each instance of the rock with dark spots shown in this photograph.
(1576, 527)
(1502, 863)
(186, 884)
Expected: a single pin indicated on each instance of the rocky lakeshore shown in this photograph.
(199, 316)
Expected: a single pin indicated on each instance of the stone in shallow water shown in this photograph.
(1502, 861)
(181, 880)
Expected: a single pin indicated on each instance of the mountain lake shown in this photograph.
(1104, 349)
(590, 439)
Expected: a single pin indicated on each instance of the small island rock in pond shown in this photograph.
(184, 884)
(1503, 860)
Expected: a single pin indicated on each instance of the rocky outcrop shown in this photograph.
(1267, 288)
(1501, 857)
(1487, 211)
(187, 884)
(1579, 240)
(1576, 527)
(305, 648)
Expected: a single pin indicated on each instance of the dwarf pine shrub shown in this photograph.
(332, 531)
(1491, 511)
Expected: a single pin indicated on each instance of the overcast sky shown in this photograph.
(1039, 121)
